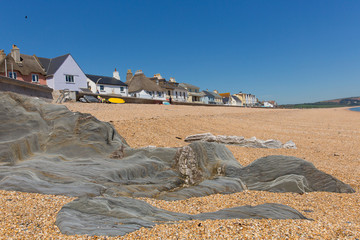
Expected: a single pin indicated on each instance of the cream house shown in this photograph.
(248, 100)
(193, 92)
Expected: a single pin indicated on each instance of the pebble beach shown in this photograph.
(329, 138)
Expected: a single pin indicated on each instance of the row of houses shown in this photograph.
(64, 72)
(57, 73)
(240, 99)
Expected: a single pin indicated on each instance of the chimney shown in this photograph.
(158, 76)
(138, 72)
(15, 53)
(216, 91)
(172, 80)
(116, 75)
(129, 75)
(2, 55)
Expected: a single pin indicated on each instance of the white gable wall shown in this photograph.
(234, 102)
(91, 85)
(50, 82)
(69, 67)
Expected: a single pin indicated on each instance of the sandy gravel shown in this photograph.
(329, 138)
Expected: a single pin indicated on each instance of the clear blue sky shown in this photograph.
(290, 51)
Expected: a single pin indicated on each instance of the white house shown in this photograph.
(268, 104)
(63, 73)
(142, 87)
(212, 98)
(250, 100)
(107, 85)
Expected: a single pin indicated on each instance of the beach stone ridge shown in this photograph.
(119, 216)
(46, 148)
(240, 141)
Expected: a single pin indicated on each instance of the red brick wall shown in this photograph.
(28, 78)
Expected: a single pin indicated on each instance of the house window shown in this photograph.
(12, 75)
(169, 93)
(121, 89)
(176, 94)
(35, 78)
(159, 94)
(69, 78)
(101, 87)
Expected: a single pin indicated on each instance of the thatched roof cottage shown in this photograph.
(22, 67)
(142, 87)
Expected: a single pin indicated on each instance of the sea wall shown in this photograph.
(127, 99)
(147, 101)
(25, 88)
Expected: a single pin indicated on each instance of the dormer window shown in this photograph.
(35, 78)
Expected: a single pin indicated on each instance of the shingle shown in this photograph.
(212, 94)
(51, 65)
(186, 85)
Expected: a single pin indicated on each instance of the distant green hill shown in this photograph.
(341, 102)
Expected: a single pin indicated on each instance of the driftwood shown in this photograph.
(240, 141)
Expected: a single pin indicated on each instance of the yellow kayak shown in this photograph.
(116, 100)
